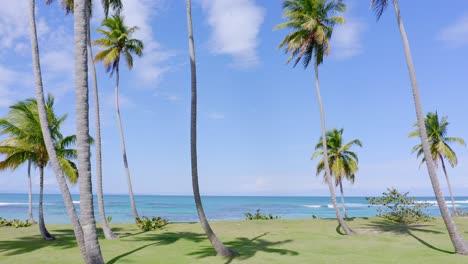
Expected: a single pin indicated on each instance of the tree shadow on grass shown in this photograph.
(411, 230)
(115, 259)
(167, 238)
(64, 239)
(247, 248)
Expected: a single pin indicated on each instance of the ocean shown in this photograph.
(182, 208)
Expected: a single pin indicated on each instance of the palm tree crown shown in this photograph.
(68, 6)
(343, 162)
(117, 41)
(26, 142)
(312, 22)
(438, 139)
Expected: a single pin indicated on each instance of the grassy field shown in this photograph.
(276, 241)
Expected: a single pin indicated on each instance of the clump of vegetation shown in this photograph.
(400, 208)
(109, 219)
(259, 216)
(14, 223)
(148, 224)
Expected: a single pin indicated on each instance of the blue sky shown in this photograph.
(258, 117)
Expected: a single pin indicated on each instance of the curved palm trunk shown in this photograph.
(342, 200)
(88, 222)
(108, 234)
(455, 211)
(44, 233)
(329, 180)
(31, 218)
(122, 140)
(457, 239)
(221, 249)
(67, 198)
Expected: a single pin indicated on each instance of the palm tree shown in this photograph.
(458, 242)
(343, 162)
(117, 41)
(26, 144)
(312, 23)
(220, 248)
(439, 145)
(48, 141)
(67, 5)
(81, 26)
(31, 218)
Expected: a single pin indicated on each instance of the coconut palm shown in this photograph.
(48, 140)
(343, 162)
(312, 23)
(116, 5)
(117, 41)
(30, 211)
(220, 248)
(439, 146)
(25, 143)
(81, 26)
(458, 241)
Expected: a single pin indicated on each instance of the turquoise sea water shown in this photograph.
(182, 208)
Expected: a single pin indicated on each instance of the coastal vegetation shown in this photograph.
(33, 137)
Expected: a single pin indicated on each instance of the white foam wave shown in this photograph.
(7, 204)
(330, 205)
(76, 202)
(312, 205)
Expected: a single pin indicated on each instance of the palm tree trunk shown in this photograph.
(328, 178)
(67, 198)
(44, 233)
(342, 200)
(457, 239)
(31, 218)
(455, 211)
(108, 234)
(82, 134)
(220, 248)
(122, 140)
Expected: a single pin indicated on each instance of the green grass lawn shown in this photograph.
(276, 241)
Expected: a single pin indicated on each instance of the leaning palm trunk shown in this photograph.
(455, 211)
(331, 187)
(67, 198)
(221, 249)
(457, 239)
(342, 200)
(44, 233)
(108, 234)
(31, 218)
(122, 140)
(88, 222)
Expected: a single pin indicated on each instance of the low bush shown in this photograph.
(400, 208)
(147, 224)
(258, 216)
(14, 223)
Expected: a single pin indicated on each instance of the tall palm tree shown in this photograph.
(117, 41)
(31, 218)
(81, 25)
(26, 144)
(312, 23)
(48, 141)
(343, 162)
(220, 248)
(116, 5)
(439, 145)
(458, 241)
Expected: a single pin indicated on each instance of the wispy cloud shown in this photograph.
(347, 38)
(235, 27)
(216, 116)
(12, 81)
(455, 35)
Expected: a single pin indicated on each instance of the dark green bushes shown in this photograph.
(147, 224)
(14, 223)
(258, 216)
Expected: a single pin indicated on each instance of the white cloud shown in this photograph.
(455, 35)
(13, 22)
(235, 25)
(347, 38)
(216, 116)
(12, 85)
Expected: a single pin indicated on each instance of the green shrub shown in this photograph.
(258, 216)
(109, 219)
(147, 224)
(14, 223)
(400, 208)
